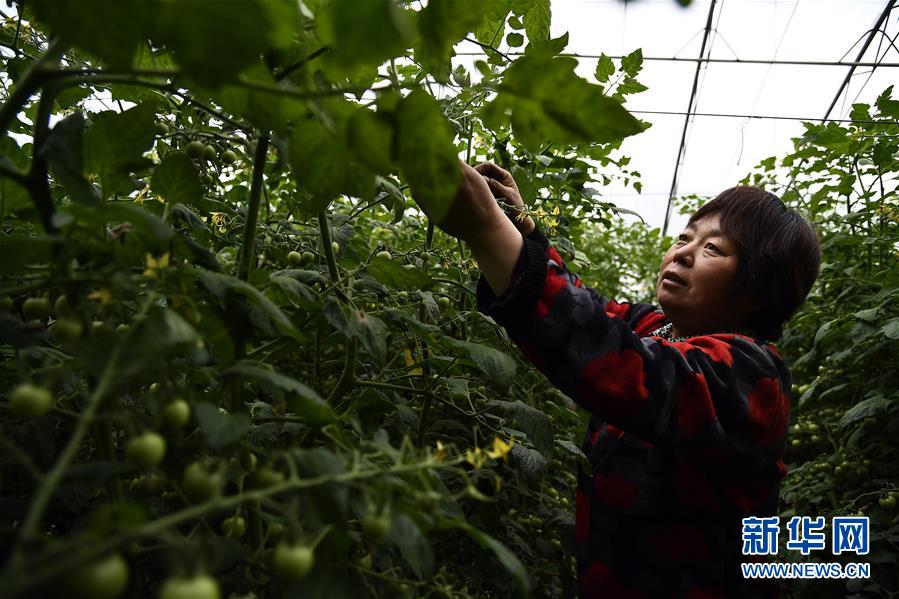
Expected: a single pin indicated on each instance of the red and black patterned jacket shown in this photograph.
(685, 438)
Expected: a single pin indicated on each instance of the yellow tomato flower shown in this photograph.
(103, 295)
(475, 458)
(154, 265)
(555, 210)
(501, 449)
(440, 454)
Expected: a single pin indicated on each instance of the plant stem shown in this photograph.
(249, 233)
(425, 352)
(38, 181)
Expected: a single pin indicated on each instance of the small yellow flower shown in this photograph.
(540, 212)
(103, 295)
(501, 449)
(154, 265)
(475, 458)
(221, 221)
(555, 210)
(552, 223)
(440, 454)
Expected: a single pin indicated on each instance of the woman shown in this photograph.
(689, 403)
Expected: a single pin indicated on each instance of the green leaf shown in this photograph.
(153, 230)
(114, 146)
(426, 153)
(372, 332)
(176, 180)
(825, 330)
(498, 366)
(267, 110)
(63, 151)
(302, 399)
(537, 21)
(220, 429)
(220, 285)
(546, 101)
(529, 462)
(111, 30)
(370, 139)
(871, 406)
(491, 27)
(442, 24)
(630, 86)
(324, 166)
(633, 62)
(515, 39)
(508, 559)
(305, 295)
(531, 421)
(393, 274)
(364, 33)
(891, 329)
(413, 545)
(214, 41)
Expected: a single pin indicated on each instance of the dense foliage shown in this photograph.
(843, 344)
(236, 358)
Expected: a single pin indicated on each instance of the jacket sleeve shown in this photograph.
(719, 392)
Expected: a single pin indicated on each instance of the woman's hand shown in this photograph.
(474, 212)
(503, 186)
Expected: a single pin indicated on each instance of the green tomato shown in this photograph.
(403, 295)
(248, 461)
(61, 306)
(199, 484)
(146, 450)
(106, 578)
(293, 562)
(122, 328)
(376, 526)
(68, 329)
(294, 258)
(176, 413)
(195, 149)
(425, 256)
(36, 308)
(209, 153)
(384, 254)
(98, 327)
(200, 586)
(443, 302)
(161, 128)
(6, 303)
(275, 530)
(335, 247)
(29, 402)
(308, 257)
(234, 527)
(229, 157)
(887, 502)
(264, 477)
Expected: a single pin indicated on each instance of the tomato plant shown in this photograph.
(254, 336)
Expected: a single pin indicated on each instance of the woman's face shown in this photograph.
(696, 279)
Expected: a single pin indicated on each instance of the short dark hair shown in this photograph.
(779, 253)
